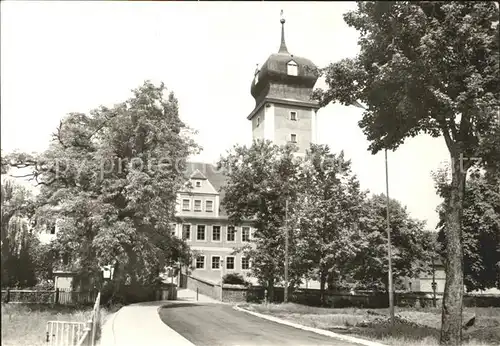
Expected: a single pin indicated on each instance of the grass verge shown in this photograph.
(413, 327)
(25, 324)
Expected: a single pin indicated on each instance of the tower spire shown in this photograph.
(283, 48)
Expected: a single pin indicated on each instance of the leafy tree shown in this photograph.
(480, 227)
(331, 204)
(411, 244)
(428, 67)
(260, 179)
(110, 178)
(18, 240)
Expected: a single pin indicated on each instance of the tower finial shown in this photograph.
(283, 48)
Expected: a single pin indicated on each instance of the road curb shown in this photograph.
(111, 328)
(311, 329)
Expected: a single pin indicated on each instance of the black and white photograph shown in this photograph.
(198, 173)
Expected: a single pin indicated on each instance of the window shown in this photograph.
(229, 262)
(216, 233)
(172, 230)
(231, 233)
(293, 116)
(200, 233)
(53, 229)
(186, 232)
(245, 234)
(245, 263)
(200, 262)
(215, 262)
(293, 138)
(198, 184)
(291, 68)
(256, 78)
(186, 204)
(258, 121)
(197, 205)
(209, 206)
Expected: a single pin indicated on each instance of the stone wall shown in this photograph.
(205, 287)
(372, 300)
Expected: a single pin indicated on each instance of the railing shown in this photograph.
(61, 333)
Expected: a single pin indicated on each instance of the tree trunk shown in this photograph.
(270, 290)
(330, 281)
(322, 282)
(451, 328)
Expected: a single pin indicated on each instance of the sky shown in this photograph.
(61, 57)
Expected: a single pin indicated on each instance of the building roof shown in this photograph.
(198, 175)
(274, 70)
(212, 174)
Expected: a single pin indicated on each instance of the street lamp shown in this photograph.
(388, 226)
(391, 289)
(434, 285)
(221, 264)
(285, 296)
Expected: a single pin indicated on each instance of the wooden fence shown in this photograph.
(57, 296)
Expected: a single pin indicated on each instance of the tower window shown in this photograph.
(293, 116)
(293, 138)
(258, 121)
(198, 184)
(291, 68)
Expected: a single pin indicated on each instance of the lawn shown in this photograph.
(413, 327)
(24, 324)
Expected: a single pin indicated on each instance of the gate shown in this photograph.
(61, 333)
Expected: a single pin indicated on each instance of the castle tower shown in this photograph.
(284, 111)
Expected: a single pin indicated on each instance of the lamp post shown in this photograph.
(389, 254)
(434, 285)
(221, 276)
(389, 251)
(285, 296)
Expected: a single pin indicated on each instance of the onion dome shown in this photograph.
(283, 68)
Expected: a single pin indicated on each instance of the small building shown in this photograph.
(423, 283)
(63, 280)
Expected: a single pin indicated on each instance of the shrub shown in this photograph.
(234, 279)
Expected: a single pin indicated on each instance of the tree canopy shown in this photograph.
(110, 179)
(260, 180)
(480, 225)
(428, 67)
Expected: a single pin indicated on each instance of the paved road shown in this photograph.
(217, 324)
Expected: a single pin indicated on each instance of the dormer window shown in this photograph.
(198, 184)
(256, 79)
(291, 68)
